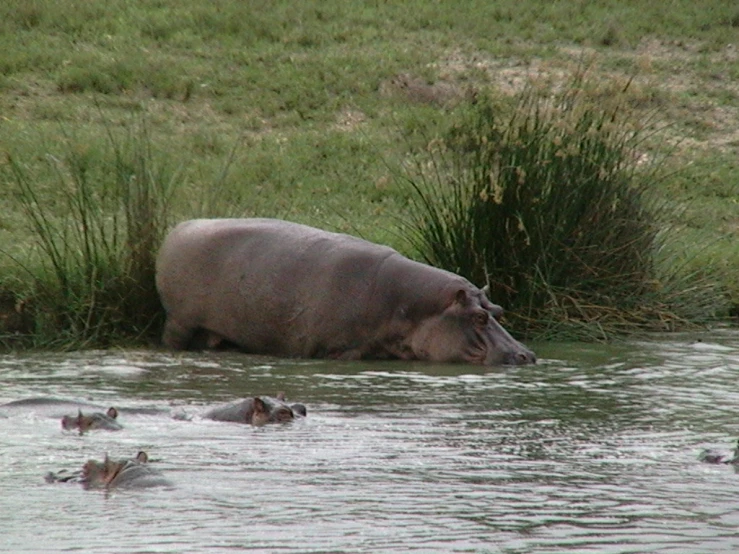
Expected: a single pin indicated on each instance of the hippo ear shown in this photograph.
(460, 297)
(112, 413)
(281, 396)
(259, 406)
(142, 457)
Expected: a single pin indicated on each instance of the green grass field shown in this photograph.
(307, 110)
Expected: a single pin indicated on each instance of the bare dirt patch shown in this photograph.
(678, 79)
(443, 93)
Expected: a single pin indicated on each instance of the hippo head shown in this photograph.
(86, 422)
(268, 410)
(467, 330)
(101, 474)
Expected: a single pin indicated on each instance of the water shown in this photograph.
(592, 450)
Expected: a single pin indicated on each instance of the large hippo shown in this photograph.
(273, 287)
(130, 472)
(257, 411)
(95, 420)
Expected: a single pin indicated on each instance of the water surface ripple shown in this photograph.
(592, 450)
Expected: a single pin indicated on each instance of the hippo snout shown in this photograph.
(523, 357)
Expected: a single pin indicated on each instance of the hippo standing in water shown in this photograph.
(280, 288)
(257, 411)
(95, 420)
(109, 474)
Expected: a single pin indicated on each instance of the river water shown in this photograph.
(594, 449)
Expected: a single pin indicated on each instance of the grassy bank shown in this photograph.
(306, 110)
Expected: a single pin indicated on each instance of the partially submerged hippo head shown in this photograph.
(102, 474)
(108, 474)
(135, 472)
(468, 330)
(266, 410)
(259, 410)
(96, 420)
(716, 457)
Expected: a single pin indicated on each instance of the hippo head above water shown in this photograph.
(96, 420)
(257, 411)
(126, 473)
(103, 474)
(468, 330)
(280, 288)
(109, 474)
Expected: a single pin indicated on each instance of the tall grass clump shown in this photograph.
(95, 238)
(550, 205)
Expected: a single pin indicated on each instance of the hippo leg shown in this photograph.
(214, 340)
(349, 355)
(202, 339)
(177, 336)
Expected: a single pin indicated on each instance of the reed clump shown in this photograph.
(551, 204)
(90, 272)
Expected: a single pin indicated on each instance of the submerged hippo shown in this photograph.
(274, 287)
(46, 405)
(257, 411)
(108, 474)
(95, 420)
(715, 457)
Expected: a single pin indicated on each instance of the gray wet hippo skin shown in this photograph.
(92, 421)
(715, 457)
(47, 405)
(284, 289)
(259, 410)
(108, 474)
(50, 406)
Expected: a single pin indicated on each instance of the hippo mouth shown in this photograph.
(483, 350)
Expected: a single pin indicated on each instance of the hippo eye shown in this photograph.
(481, 319)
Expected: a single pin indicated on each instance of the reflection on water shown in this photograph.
(592, 450)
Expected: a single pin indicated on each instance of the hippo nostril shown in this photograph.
(523, 358)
